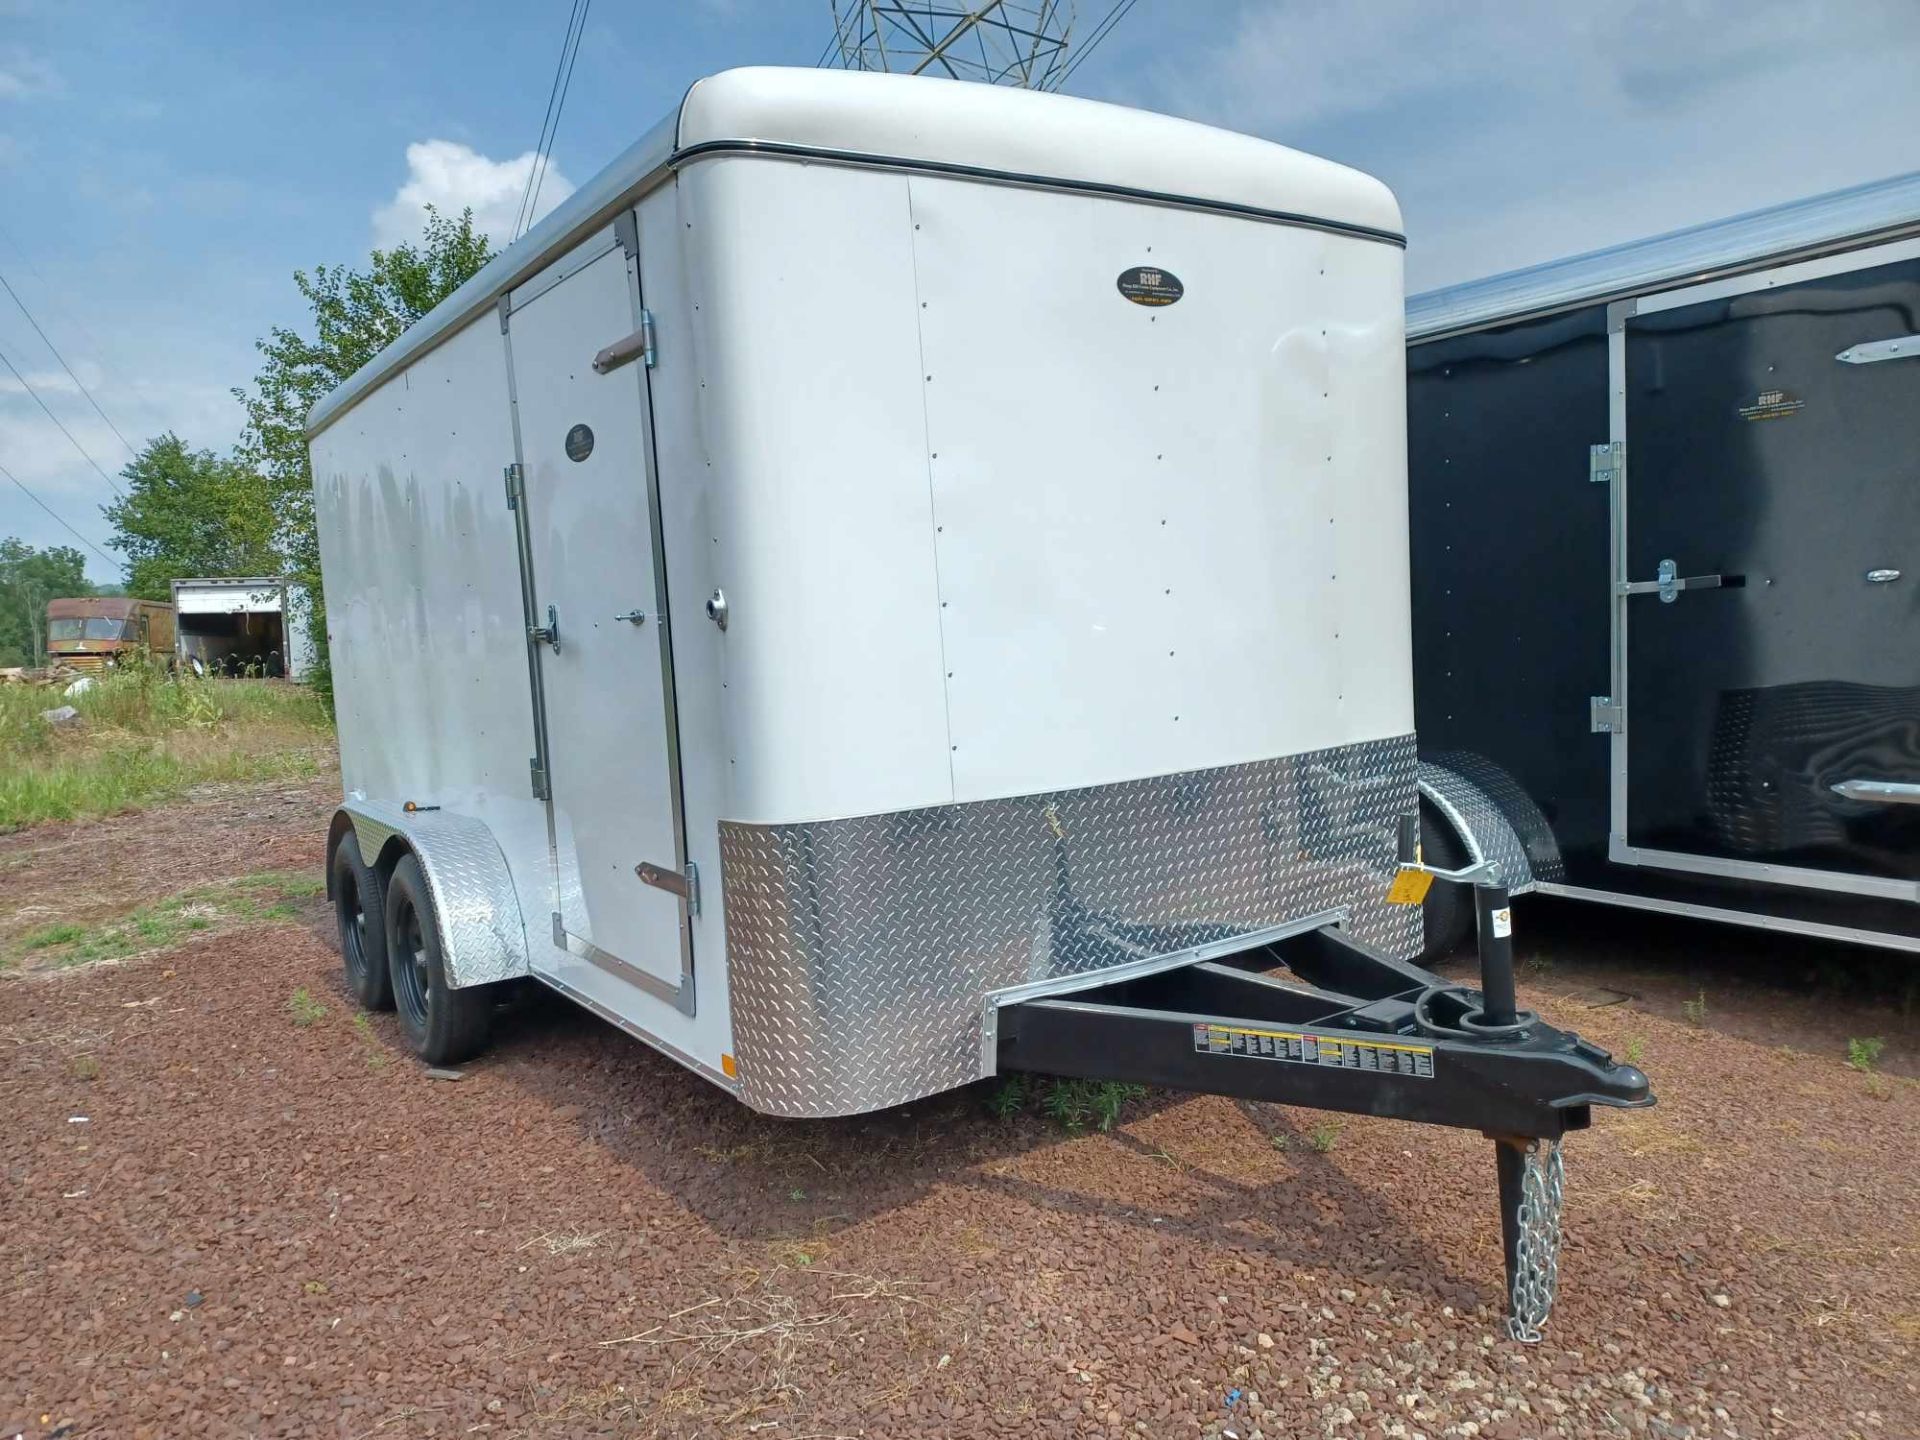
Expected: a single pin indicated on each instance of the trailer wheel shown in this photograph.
(444, 1025)
(1448, 911)
(360, 909)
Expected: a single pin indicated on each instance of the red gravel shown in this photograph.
(268, 1228)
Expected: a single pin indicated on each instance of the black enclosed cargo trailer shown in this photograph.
(1665, 508)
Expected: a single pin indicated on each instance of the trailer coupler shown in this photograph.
(1348, 1028)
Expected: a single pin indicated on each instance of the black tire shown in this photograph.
(444, 1025)
(360, 910)
(1448, 911)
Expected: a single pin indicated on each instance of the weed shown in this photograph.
(144, 738)
(1324, 1136)
(84, 1067)
(796, 1195)
(304, 1008)
(1636, 1050)
(1009, 1097)
(1695, 1009)
(1110, 1097)
(1878, 1087)
(1280, 1142)
(376, 1060)
(1863, 1055)
(363, 1025)
(64, 934)
(245, 900)
(314, 1287)
(1068, 1104)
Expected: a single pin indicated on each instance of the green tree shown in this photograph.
(191, 512)
(28, 579)
(355, 314)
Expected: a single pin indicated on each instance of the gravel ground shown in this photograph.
(225, 1214)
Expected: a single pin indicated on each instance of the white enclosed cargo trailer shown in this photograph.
(947, 607)
(904, 478)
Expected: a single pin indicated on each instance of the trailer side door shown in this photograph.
(595, 585)
(1767, 576)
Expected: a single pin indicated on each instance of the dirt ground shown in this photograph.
(233, 1207)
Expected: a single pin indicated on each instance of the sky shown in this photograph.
(166, 167)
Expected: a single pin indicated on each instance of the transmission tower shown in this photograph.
(1001, 43)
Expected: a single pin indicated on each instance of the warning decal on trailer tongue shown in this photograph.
(1338, 1052)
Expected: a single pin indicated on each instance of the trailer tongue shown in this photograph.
(1346, 1027)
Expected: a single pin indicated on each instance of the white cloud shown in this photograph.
(453, 177)
(23, 75)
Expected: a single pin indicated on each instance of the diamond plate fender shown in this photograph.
(482, 933)
(1496, 818)
(862, 952)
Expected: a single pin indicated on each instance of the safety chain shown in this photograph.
(1536, 1271)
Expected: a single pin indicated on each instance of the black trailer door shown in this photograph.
(1767, 587)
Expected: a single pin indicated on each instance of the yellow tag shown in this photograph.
(1409, 887)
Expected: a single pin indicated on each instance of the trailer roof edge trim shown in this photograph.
(993, 133)
(1799, 229)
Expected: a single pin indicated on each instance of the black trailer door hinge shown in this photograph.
(538, 774)
(1605, 462)
(516, 485)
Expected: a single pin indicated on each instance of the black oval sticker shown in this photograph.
(579, 442)
(1150, 285)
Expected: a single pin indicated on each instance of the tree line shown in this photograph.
(189, 512)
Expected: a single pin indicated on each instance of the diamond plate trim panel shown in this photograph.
(1498, 820)
(481, 930)
(861, 952)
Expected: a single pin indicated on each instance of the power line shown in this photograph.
(1100, 32)
(63, 429)
(64, 366)
(550, 122)
(56, 515)
(547, 162)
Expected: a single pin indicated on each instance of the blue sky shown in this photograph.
(165, 167)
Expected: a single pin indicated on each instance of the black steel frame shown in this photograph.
(1347, 1028)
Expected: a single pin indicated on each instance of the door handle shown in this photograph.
(717, 608)
(1669, 582)
(637, 617)
(547, 634)
(1886, 792)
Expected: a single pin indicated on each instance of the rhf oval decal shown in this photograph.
(579, 443)
(1150, 285)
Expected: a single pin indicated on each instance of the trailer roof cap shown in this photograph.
(990, 132)
(1011, 131)
(1881, 209)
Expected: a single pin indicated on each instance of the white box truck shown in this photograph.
(242, 625)
(946, 608)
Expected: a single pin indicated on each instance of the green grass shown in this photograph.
(1695, 1009)
(1863, 1055)
(304, 1009)
(1324, 1136)
(1073, 1105)
(247, 899)
(144, 737)
(1636, 1050)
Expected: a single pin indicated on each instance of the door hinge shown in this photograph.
(1604, 462)
(1605, 717)
(516, 485)
(637, 346)
(627, 231)
(538, 774)
(684, 883)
